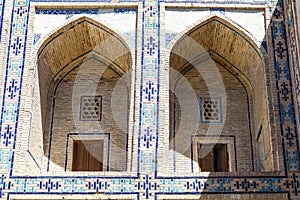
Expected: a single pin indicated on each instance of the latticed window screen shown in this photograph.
(210, 109)
(91, 108)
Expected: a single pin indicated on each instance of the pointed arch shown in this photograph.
(81, 42)
(214, 34)
(80, 36)
(222, 19)
(231, 48)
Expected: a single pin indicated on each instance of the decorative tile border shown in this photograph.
(284, 86)
(81, 11)
(14, 73)
(149, 88)
(294, 51)
(148, 185)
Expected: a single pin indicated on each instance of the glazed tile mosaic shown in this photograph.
(147, 182)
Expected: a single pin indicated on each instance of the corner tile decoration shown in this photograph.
(147, 184)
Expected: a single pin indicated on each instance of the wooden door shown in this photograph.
(88, 155)
(206, 157)
(221, 158)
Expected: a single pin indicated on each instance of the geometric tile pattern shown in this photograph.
(13, 80)
(81, 11)
(210, 110)
(91, 108)
(146, 184)
(150, 66)
(285, 97)
(290, 18)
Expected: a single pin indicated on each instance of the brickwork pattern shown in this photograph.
(68, 118)
(182, 121)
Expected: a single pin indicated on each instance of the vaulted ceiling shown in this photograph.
(78, 39)
(223, 41)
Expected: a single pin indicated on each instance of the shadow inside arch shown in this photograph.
(80, 60)
(226, 46)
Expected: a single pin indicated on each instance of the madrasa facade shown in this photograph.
(150, 99)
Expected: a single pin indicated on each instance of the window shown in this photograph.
(213, 158)
(91, 108)
(210, 110)
(214, 153)
(88, 155)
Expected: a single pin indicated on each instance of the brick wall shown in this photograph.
(234, 116)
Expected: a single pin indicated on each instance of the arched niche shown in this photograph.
(81, 99)
(218, 96)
